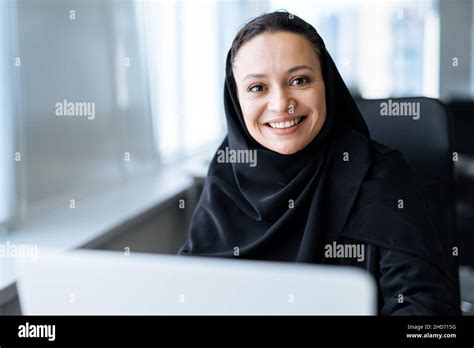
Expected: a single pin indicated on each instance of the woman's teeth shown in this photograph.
(286, 124)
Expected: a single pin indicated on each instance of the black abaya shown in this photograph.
(341, 189)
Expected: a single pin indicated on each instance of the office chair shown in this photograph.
(427, 145)
(462, 112)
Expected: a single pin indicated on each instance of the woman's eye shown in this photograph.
(302, 79)
(254, 88)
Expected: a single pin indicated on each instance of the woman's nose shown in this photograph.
(280, 102)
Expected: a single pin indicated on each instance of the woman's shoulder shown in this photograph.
(382, 162)
(390, 181)
(389, 164)
(389, 175)
(390, 210)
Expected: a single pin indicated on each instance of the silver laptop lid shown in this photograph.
(111, 283)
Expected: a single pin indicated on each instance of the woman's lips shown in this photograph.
(285, 131)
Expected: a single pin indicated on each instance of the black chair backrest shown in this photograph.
(420, 128)
(462, 112)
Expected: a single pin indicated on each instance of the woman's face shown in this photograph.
(281, 90)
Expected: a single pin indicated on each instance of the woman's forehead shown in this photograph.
(277, 51)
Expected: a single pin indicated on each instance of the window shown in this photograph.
(74, 54)
(382, 49)
(187, 42)
(182, 40)
(8, 185)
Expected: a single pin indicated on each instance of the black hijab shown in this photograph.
(278, 209)
(288, 207)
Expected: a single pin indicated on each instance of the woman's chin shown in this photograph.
(286, 149)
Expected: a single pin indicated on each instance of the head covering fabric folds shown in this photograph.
(277, 210)
(288, 207)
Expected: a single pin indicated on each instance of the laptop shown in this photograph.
(92, 282)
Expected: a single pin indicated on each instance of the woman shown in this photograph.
(320, 191)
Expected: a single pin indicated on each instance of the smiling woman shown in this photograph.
(284, 106)
(320, 183)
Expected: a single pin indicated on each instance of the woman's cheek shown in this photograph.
(251, 119)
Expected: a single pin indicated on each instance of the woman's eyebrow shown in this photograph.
(293, 69)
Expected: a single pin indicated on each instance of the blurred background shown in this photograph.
(127, 176)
